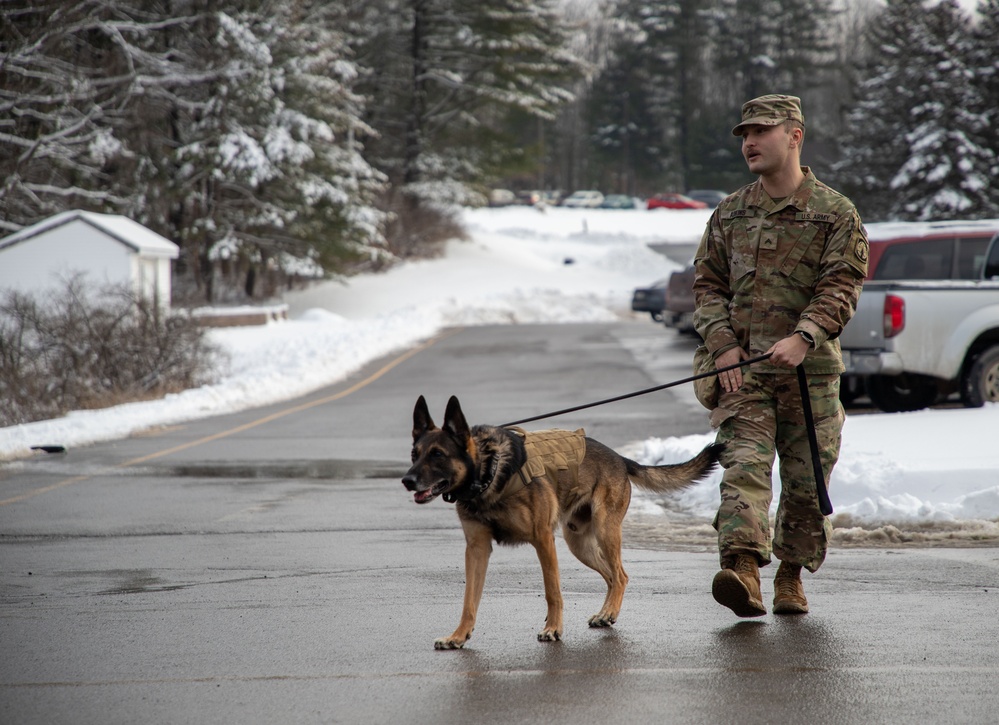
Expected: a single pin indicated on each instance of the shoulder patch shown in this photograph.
(738, 213)
(862, 250)
(815, 216)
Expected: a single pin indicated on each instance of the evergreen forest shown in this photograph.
(279, 141)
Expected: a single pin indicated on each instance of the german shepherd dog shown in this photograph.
(479, 469)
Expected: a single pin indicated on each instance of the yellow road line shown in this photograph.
(238, 429)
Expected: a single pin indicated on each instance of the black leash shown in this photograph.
(825, 505)
(692, 378)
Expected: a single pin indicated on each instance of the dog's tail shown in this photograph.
(674, 476)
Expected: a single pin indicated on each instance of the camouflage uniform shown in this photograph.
(765, 270)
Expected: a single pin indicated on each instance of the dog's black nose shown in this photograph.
(409, 481)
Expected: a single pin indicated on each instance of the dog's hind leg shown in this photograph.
(544, 544)
(478, 547)
(593, 534)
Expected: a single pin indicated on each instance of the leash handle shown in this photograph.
(673, 384)
(825, 505)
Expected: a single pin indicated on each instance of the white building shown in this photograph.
(108, 249)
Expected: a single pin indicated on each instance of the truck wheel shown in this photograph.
(981, 384)
(901, 393)
(851, 387)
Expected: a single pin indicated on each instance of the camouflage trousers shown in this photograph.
(761, 420)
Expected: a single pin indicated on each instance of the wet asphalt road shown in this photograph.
(268, 567)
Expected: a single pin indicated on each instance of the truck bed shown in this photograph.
(946, 326)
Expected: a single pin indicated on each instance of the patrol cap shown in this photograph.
(770, 110)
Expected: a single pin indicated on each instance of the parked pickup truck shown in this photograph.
(931, 328)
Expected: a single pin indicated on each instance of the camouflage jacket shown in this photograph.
(766, 269)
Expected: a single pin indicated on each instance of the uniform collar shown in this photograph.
(758, 197)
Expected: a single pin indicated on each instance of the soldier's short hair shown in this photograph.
(792, 123)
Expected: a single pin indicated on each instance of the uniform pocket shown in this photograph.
(742, 260)
(802, 259)
(707, 390)
(719, 416)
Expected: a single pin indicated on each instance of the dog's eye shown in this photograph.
(437, 453)
(413, 455)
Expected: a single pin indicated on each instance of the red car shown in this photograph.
(928, 250)
(675, 201)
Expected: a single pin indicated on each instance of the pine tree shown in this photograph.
(651, 102)
(634, 99)
(985, 64)
(334, 193)
(875, 144)
(946, 174)
(918, 143)
(445, 77)
(230, 127)
(67, 72)
(628, 149)
(773, 46)
(698, 62)
(271, 167)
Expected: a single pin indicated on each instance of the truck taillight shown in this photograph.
(894, 315)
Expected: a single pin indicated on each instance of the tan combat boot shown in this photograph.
(789, 595)
(737, 586)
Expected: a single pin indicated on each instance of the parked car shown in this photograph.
(584, 199)
(711, 197)
(674, 201)
(529, 198)
(619, 201)
(651, 299)
(502, 197)
(678, 312)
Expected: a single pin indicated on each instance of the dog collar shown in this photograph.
(473, 490)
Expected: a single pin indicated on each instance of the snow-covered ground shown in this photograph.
(920, 470)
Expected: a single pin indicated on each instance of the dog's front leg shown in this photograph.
(478, 547)
(545, 546)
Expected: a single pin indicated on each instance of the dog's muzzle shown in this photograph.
(423, 494)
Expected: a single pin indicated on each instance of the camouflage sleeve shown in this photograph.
(712, 290)
(840, 280)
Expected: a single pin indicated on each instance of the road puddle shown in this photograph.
(332, 469)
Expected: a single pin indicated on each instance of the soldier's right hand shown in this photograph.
(731, 380)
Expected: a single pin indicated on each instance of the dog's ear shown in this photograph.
(454, 420)
(422, 422)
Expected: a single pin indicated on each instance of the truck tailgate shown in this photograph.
(865, 330)
(939, 317)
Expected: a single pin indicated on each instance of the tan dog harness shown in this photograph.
(548, 452)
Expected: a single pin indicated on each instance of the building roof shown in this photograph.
(130, 233)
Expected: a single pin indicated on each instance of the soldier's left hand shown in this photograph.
(789, 352)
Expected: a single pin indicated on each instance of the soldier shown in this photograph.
(779, 270)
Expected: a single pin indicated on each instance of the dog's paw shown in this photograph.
(603, 620)
(550, 635)
(449, 643)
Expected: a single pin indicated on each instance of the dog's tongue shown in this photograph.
(423, 496)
